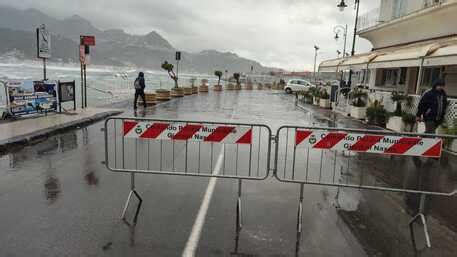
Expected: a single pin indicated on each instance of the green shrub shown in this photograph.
(376, 114)
(358, 97)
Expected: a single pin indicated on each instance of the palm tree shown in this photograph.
(218, 74)
(169, 68)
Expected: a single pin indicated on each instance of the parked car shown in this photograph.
(295, 85)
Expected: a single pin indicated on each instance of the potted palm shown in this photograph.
(203, 88)
(249, 85)
(316, 95)
(324, 100)
(376, 114)
(236, 76)
(409, 122)
(175, 91)
(396, 122)
(359, 104)
(218, 74)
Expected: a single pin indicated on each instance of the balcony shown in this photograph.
(390, 11)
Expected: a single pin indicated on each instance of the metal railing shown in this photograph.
(389, 13)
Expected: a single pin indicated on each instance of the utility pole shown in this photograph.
(316, 48)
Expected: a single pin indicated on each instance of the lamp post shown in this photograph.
(342, 5)
(316, 48)
(337, 30)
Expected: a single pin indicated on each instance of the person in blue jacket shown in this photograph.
(432, 106)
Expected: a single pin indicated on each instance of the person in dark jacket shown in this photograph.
(139, 89)
(432, 106)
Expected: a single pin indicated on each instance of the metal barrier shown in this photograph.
(345, 157)
(187, 148)
(303, 155)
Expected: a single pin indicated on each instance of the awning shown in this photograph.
(355, 62)
(434, 53)
(445, 55)
(330, 65)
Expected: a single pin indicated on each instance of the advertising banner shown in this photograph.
(29, 97)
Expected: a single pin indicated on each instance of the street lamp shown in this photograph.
(342, 5)
(337, 30)
(316, 48)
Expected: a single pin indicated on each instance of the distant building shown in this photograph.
(414, 42)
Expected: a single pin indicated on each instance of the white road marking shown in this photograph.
(194, 238)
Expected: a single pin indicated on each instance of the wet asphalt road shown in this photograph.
(58, 199)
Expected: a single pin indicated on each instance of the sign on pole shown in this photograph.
(82, 54)
(43, 42)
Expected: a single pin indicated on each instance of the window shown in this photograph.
(389, 77)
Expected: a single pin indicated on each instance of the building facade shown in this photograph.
(414, 43)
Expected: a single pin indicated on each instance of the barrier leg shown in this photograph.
(238, 217)
(127, 203)
(420, 216)
(299, 220)
(238, 209)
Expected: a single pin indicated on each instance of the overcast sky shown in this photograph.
(279, 33)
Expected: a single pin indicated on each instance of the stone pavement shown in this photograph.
(25, 129)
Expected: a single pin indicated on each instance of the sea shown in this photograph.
(105, 84)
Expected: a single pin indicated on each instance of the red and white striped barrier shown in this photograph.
(226, 134)
(369, 143)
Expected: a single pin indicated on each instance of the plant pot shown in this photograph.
(163, 95)
(316, 101)
(217, 88)
(229, 86)
(359, 113)
(194, 90)
(325, 103)
(308, 100)
(150, 99)
(259, 86)
(238, 87)
(396, 123)
(187, 90)
(203, 89)
(177, 92)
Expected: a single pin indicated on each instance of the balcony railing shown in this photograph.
(389, 13)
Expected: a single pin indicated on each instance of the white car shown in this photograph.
(295, 85)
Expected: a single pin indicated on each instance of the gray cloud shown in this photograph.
(275, 32)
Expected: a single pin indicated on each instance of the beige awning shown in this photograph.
(436, 52)
(444, 55)
(330, 65)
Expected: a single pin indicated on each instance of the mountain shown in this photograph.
(114, 46)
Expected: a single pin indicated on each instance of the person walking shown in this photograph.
(139, 90)
(432, 106)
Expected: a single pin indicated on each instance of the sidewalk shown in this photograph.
(24, 130)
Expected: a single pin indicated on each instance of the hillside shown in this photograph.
(114, 46)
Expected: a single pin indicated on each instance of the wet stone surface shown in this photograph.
(59, 200)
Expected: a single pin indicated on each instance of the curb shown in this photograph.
(5, 145)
